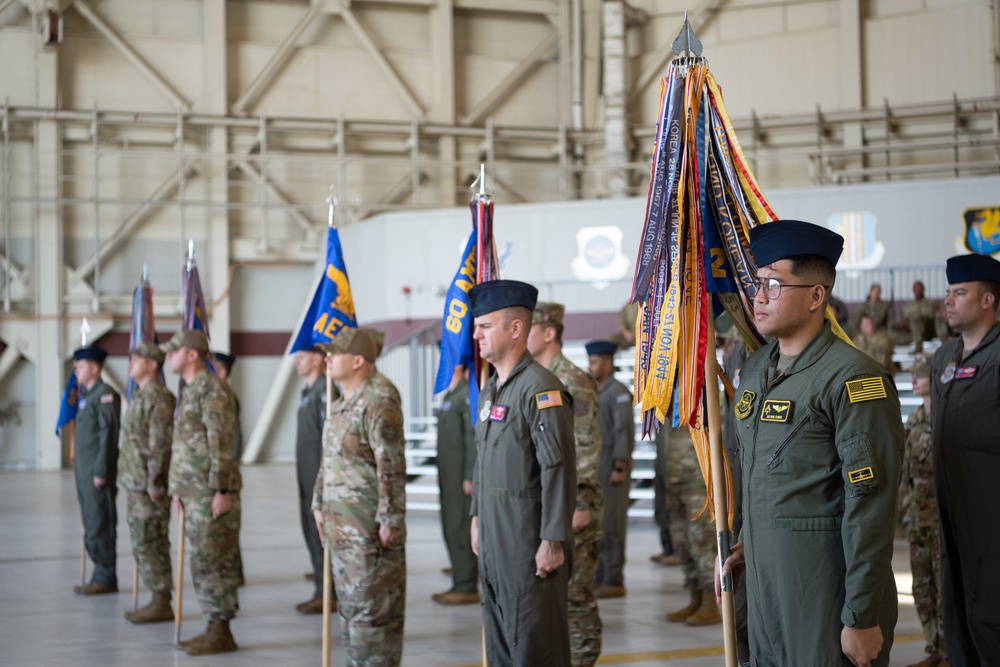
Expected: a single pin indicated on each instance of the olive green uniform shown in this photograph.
(584, 619)
(965, 417)
(878, 347)
(201, 464)
(95, 449)
(456, 463)
(921, 318)
(524, 491)
(616, 421)
(308, 456)
(822, 447)
(237, 493)
(880, 312)
(147, 435)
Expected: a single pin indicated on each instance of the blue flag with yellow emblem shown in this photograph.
(67, 409)
(457, 346)
(332, 306)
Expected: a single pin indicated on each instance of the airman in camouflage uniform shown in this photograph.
(875, 343)
(204, 481)
(874, 307)
(359, 502)
(919, 501)
(147, 436)
(223, 368)
(545, 345)
(95, 465)
(693, 539)
(921, 316)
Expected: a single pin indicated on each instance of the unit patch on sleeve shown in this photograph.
(776, 411)
(865, 389)
(744, 406)
(548, 399)
(861, 475)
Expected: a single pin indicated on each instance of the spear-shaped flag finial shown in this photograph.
(190, 256)
(686, 40)
(84, 330)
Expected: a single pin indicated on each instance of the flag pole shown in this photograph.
(718, 462)
(484, 371)
(331, 201)
(180, 577)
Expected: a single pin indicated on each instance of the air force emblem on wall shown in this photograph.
(599, 257)
(861, 249)
(982, 229)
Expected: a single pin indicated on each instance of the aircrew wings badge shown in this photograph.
(865, 389)
(744, 406)
(548, 399)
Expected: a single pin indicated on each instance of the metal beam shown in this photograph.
(376, 53)
(304, 222)
(159, 82)
(509, 6)
(5, 3)
(402, 187)
(11, 355)
(277, 61)
(167, 189)
(654, 69)
(279, 386)
(511, 81)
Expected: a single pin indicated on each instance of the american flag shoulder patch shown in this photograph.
(548, 399)
(865, 389)
(107, 398)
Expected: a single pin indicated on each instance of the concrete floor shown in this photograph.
(43, 623)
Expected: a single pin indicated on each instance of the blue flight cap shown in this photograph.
(498, 294)
(969, 268)
(90, 354)
(601, 347)
(227, 359)
(781, 239)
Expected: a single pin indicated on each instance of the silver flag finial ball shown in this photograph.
(331, 200)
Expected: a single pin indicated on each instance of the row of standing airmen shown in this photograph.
(820, 442)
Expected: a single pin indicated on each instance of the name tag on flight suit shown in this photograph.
(776, 411)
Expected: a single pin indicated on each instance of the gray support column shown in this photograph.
(853, 72)
(442, 16)
(49, 280)
(215, 102)
(613, 95)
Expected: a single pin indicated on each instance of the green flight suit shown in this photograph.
(310, 417)
(95, 447)
(616, 420)
(524, 491)
(965, 418)
(822, 448)
(456, 462)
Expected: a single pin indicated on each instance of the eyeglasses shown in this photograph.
(772, 287)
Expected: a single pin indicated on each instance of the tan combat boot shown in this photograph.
(707, 613)
(157, 611)
(682, 615)
(217, 639)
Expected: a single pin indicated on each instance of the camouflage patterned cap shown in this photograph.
(189, 338)
(547, 312)
(148, 351)
(352, 341)
(378, 336)
(921, 365)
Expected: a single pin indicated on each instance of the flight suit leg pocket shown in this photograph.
(858, 466)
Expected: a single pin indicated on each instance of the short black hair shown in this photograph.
(815, 269)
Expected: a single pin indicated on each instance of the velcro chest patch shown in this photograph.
(776, 411)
